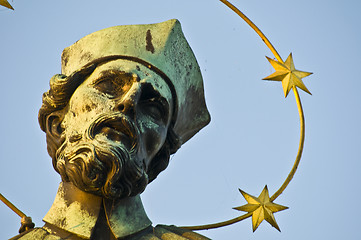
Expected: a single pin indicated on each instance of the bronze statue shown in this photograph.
(128, 97)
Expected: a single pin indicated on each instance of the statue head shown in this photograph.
(128, 97)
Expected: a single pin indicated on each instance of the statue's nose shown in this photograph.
(127, 102)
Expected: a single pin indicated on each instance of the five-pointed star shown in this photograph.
(261, 208)
(288, 75)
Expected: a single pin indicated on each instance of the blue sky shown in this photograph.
(252, 139)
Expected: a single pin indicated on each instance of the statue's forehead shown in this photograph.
(140, 73)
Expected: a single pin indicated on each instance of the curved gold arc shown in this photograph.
(255, 28)
(284, 185)
(300, 147)
(218, 225)
(302, 130)
(298, 100)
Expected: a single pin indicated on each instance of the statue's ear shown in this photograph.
(54, 132)
(53, 124)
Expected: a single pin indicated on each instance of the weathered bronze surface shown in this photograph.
(127, 98)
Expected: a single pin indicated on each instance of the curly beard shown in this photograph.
(99, 165)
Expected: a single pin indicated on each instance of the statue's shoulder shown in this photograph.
(160, 232)
(36, 233)
(166, 232)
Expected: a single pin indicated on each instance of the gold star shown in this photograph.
(288, 75)
(261, 208)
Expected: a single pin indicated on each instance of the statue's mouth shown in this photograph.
(116, 127)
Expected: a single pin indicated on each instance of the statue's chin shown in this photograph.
(106, 170)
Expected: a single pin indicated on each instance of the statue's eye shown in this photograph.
(107, 86)
(154, 109)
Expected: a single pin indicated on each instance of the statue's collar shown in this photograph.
(77, 212)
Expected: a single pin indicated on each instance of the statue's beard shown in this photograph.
(104, 162)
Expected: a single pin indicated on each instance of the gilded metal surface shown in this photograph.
(130, 87)
(288, 75)
(262, 208)
(26, 222)
(12, 206)
(6, 4)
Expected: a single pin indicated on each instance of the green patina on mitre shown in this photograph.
(162, 45)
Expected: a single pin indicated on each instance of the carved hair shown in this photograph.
(52, 112)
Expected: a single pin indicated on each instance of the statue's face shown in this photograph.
(115, 89)
(120, 113)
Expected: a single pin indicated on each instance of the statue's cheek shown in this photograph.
(153, 136)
